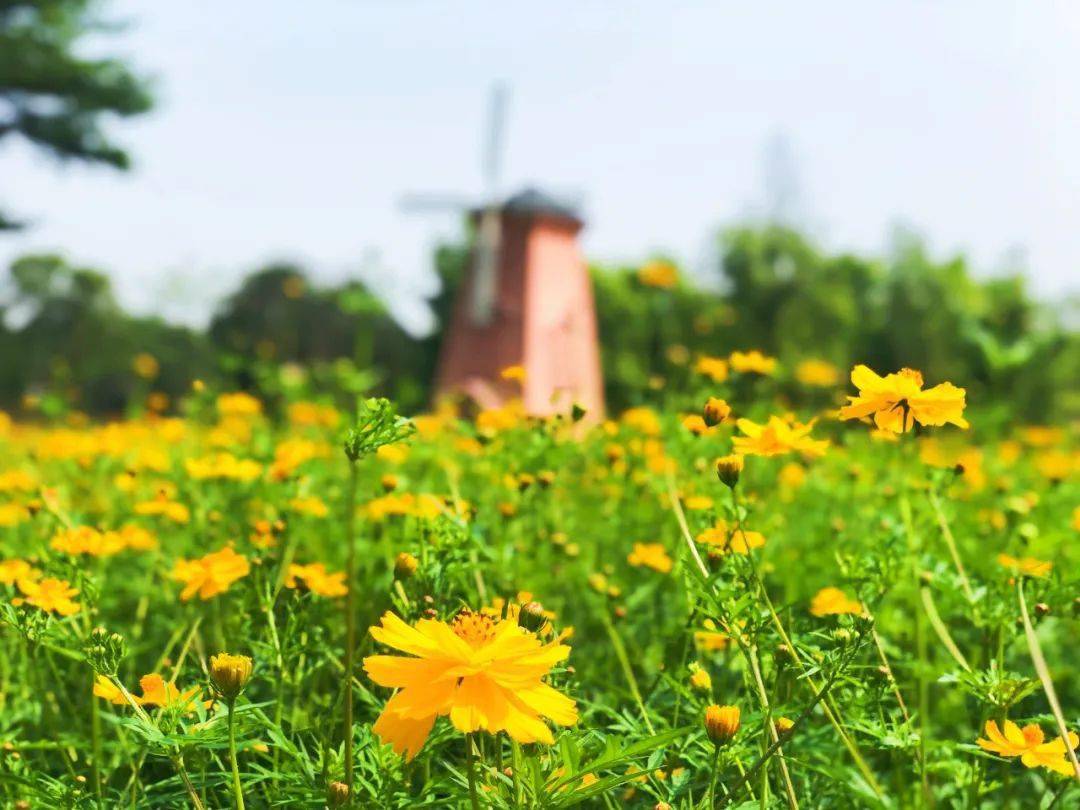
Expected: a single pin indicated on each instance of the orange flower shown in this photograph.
(210, 575)
(1028, 744)
(752, 362)
(11, 571)
(651, 555)
(1028, 566)
(833, 601)
(898, 401)
(156, 691)
(317, 580)
(777, 438)
(50, 594)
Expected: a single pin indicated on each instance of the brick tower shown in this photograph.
(527, 302)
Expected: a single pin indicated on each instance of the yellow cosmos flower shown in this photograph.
(710, 639)
(224, 466)
(312, 506)
(156, 691)
(238, 404)
(50, 594)
(17, 481)
(833, 601)
(817, 373)
(11, 571)
(715, 368)
(1029, 744)
(317, 579)
(897, 401)
(161, 505)
(210, 575)
(87, 540)
(724, 538)
(650, 555)
(777, 437)
(752, 362)
(1028, 566)
(480, 672)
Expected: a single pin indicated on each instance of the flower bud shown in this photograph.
(721, 723)
(531, 617)
(337, 793)
(783, 725)
(728, 469)
(230, 674)
(715, 411)
(405, 565)
(389, 482)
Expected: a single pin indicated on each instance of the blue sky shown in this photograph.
(289, 130)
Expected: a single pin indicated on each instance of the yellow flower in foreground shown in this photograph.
(777, 437)
(50, 594)
(481, 672)
(1028, 744)
(1028, 566)
(752, 362)
(651, 555)
(832, 601)
(210, 575)
(897, 401)
(317, 579)
(817, 373)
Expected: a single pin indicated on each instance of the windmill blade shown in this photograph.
(491, 157)
(428, 202)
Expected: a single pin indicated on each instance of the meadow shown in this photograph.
(220, 601)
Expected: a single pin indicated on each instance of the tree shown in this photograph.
(54, 98)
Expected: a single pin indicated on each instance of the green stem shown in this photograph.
(712, 780)
(471, 759)
(350, 619)
(238, 793)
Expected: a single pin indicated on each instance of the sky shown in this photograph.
(292, 130)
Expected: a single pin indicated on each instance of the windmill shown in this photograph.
(488, 231)
(526, 297)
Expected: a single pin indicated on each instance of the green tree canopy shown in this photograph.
(55, 98)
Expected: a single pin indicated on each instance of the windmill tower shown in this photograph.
(526, 300)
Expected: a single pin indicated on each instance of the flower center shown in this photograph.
(475, 629)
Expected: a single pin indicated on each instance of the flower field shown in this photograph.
(871, 601)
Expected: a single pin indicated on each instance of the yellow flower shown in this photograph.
(1028, 744)
(696, 424)
(721, 723)
(832, 601)
(1055, 465)
(715, 368)
(11, 571)
(156, 691)
(658, 273)
(310, 505)
(146, 366)
(17, 481)
(513, 374)
(729, 469)
(317, 580)
(715, 411)
(777, 437)
(12, 514)
(1028, 566)
(223, 466)
(50, 594)
(1042, 435)
(230, 673)
(642, 419)
(709, 639)
(817, 373)
(698, 503)
(699, 677)
(210, 575)
(238, 404)
(651, 555)
(87, 540)
(161, 505)
(725, 538)
(312, 414)
(481, 672)
(107, 690)
(752, 362)
(898, 401)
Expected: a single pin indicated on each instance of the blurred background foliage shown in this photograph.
(65, 343)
